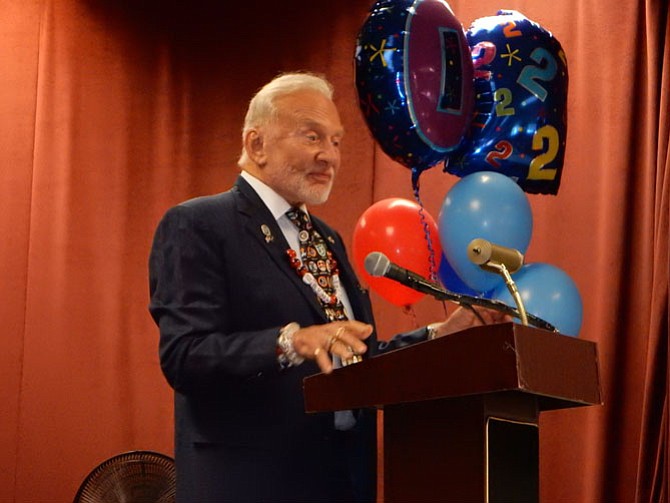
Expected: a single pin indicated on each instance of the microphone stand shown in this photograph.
(439, 293)
(511, 286)
(492, 258)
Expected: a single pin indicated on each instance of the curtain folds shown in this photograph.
(113, 111)
(652, 479)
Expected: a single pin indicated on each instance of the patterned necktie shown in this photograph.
(318, 268)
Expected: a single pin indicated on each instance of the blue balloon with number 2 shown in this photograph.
(521, 87)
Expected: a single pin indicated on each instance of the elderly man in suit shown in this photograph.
(251, 295)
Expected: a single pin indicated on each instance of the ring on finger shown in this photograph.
(331, 342)
(334, 338)
(355, 358)
(316, 352)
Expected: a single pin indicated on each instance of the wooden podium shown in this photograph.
(461, 412)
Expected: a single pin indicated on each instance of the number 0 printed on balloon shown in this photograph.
(414, 76)
(520, 121)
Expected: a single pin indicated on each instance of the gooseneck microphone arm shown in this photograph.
(502, 260)
(377, 264)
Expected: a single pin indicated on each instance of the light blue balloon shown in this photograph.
(548, 293)
(484, 205)
(452, 282)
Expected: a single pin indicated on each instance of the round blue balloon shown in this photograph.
(484, 205)
(548, 293)
(414, 75)
(521, 87)
(452, 282)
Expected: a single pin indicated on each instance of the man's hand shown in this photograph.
(341, 338)
(464, 318)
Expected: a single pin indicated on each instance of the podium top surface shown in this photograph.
(560, 371)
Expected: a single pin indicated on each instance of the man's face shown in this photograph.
(302, 148)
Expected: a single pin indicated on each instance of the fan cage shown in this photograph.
(130, 477)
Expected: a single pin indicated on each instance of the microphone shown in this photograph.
(378, 264)
(501, 260)
(490, 256)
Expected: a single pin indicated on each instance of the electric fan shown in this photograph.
(130, 477)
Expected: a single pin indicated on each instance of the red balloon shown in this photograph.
(397, 228)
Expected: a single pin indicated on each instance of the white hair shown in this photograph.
(262, 109)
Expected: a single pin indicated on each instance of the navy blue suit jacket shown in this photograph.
(221, 288)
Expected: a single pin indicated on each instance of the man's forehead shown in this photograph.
(311, 115)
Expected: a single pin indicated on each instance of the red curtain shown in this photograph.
(114, 111)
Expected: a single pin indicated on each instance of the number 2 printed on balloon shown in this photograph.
(537, 170)
(530, 75)
(483, 55)
(503, 98)
(504, 151)
(510, 30)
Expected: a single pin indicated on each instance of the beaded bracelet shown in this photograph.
(286, 354)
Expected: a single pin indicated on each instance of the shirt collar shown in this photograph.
(277, 205)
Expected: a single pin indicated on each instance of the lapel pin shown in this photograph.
(267, 233)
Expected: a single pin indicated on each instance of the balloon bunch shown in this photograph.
(492, 206)
(491, 99)
(484, 205)
(491, 104)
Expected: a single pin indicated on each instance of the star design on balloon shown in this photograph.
(382, 52)
(368, 105)
(392, 106)
(511, 54)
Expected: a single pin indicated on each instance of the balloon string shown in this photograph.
(426, 230)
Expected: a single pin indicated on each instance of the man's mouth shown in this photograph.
(320, 176)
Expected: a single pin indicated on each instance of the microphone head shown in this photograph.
(479, 251)
(484, 253)
(377, 264)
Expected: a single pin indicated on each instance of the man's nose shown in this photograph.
(330, 153)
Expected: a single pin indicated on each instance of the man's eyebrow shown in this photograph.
(310, 124)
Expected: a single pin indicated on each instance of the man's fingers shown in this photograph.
(350, 335)
(323, 360)
(341, 338)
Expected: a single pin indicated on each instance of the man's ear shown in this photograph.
(254, 145)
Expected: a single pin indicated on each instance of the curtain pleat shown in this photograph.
(114, 111)
(652, 479)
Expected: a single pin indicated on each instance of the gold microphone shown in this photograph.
(500, 260)
(490, 256)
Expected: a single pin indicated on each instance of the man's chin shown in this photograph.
(316, 197)
(316, 201)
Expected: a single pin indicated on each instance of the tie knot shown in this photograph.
(299, 218)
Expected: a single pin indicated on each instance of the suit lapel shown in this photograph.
(262, 226)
